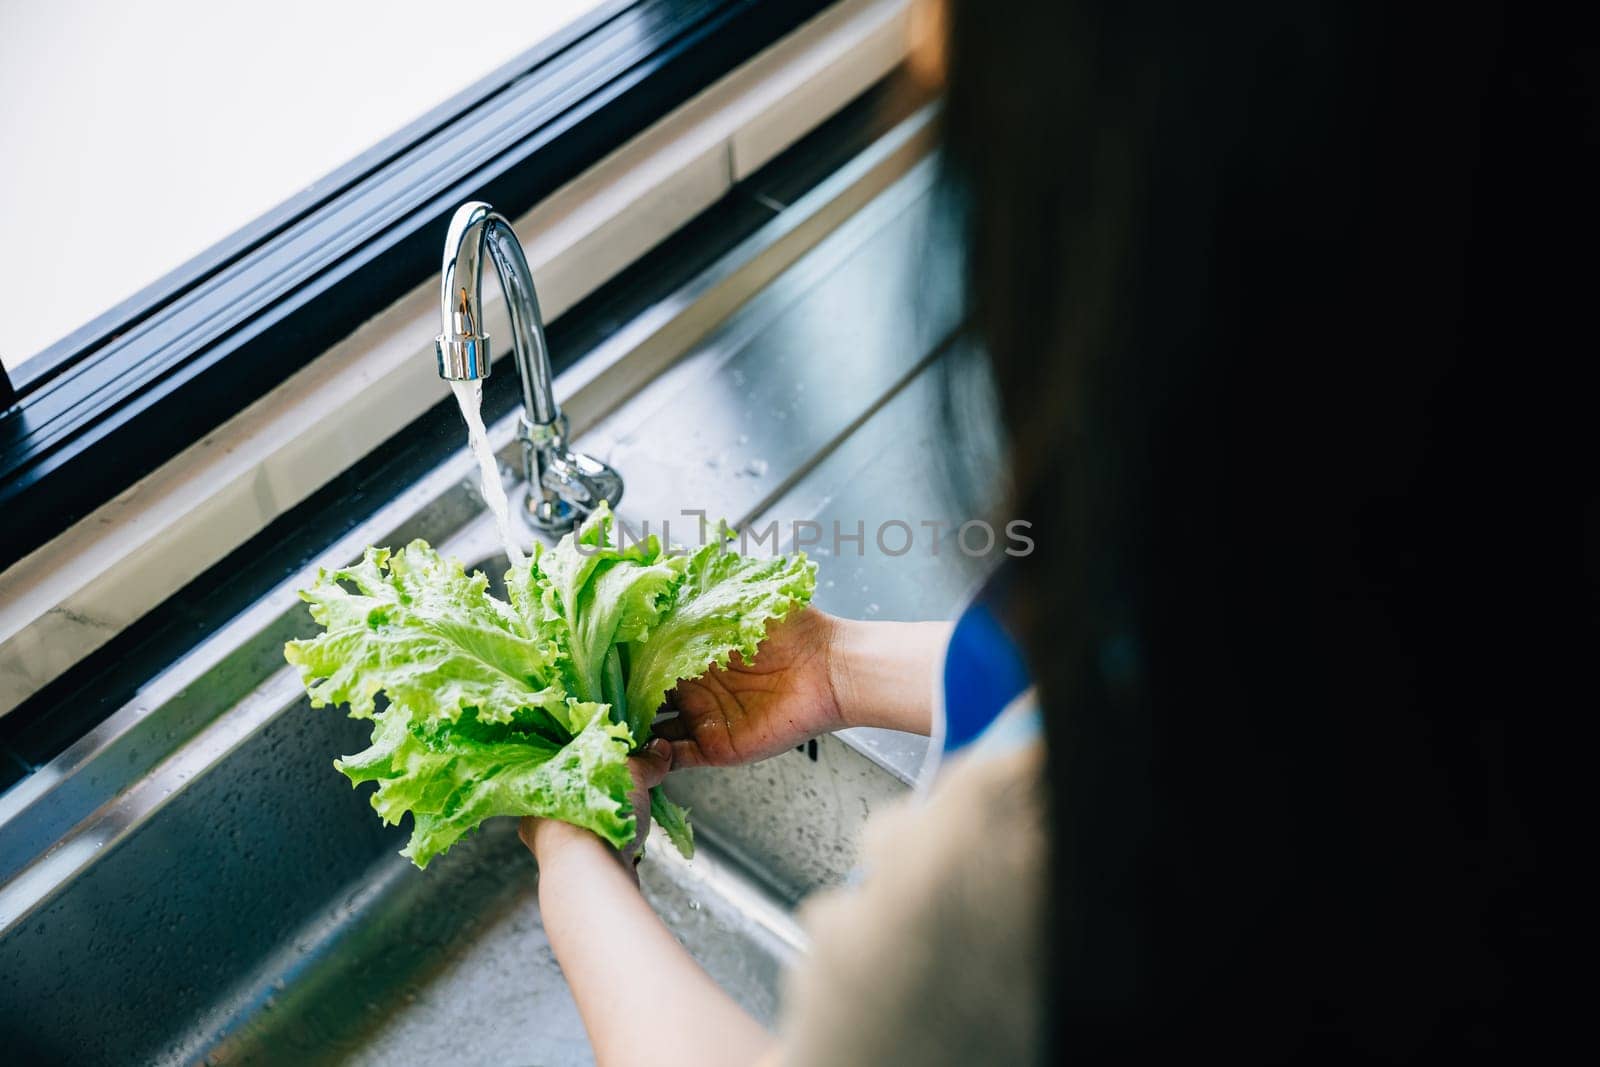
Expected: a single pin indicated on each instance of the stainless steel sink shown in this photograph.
(193, 882)
(454, 967)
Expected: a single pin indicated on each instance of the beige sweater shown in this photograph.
(937, 957)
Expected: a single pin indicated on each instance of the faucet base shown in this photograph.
(548, 514)
(570, 486)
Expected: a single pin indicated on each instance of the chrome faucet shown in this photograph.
(563, 486)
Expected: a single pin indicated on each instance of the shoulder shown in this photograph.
(936, 956)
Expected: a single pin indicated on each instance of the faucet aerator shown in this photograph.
(463, 359)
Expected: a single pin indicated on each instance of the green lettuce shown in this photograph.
(529, 705)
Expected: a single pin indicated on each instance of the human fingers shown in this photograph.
(687, 754)
(650, 764)
(672, 727)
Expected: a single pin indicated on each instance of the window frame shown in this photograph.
(96, 411)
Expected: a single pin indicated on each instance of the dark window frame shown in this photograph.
(121, 395)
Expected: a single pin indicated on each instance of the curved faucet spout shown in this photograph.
(563, 486)
(463, 346)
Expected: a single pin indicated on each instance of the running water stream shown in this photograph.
(469, 395)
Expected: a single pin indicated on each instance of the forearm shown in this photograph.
(883, 672)
(642, 997)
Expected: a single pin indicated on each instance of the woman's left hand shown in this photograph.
(643, 998)
(544, 836)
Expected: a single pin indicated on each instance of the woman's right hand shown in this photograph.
(813, 674)
(748, 711)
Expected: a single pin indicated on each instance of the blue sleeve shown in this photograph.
(983, 673)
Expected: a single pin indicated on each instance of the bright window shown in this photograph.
(135, 136)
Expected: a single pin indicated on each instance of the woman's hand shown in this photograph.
(750, 711)
(642, 996)
(544, 837)
(814, 673)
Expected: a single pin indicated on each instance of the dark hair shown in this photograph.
(1248, 277)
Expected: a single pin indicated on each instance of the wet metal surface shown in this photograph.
(795, 818)
(454, 967)
(763, 399)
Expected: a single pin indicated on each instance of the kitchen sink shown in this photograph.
(194, 882)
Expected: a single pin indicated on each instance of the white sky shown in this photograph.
(133, 136)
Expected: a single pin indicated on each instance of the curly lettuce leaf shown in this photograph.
(528, 707)
(453, 775)
(723, 604)
(673, 818)
(598, 595)
(418, 629)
